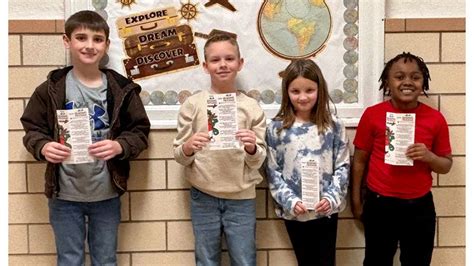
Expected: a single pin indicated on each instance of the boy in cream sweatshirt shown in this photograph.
(223, 181)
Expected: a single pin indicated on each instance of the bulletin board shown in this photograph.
(159, 45)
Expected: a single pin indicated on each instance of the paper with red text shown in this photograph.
(75, 132)
(399, 134)
(222, 122)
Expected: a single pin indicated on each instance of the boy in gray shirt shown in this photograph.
(119, 132)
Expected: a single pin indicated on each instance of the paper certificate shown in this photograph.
(222, 121)
(399, 134)
(75, 132)
(309, 183)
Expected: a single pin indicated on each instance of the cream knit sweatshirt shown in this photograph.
(228, 174)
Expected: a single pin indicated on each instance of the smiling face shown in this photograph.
(303, 94)
(87, 47)
(222, 64)
(405, 82)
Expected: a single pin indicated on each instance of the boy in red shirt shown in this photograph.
(398, 207)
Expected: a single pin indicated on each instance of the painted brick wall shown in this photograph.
(156, 226)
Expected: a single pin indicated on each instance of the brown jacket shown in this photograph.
(129, 124)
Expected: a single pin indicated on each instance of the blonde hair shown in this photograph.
(221, 37)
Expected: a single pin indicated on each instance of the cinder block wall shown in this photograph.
(156, 227)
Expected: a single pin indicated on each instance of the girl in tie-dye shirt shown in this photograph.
(307, 147)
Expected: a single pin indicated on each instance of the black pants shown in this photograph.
(391, 221)
(314, 241)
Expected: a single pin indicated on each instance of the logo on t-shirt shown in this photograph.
(97, 115)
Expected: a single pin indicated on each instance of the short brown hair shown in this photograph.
(86, 19)
(221, 37)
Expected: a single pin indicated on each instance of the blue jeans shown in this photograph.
(68, 219)
(213, 216)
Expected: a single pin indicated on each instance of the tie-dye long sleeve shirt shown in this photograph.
(285, 152)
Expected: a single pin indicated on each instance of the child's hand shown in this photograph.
(55, 152)
(356, 208)
(248, 138)
(300, 208)
(195, 143)
(418, 151)
(105, 149)
(323, 207)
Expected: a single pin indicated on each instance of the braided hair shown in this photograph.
(406, 57)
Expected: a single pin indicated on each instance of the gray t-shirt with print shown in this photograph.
(87, 182)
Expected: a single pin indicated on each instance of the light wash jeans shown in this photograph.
(213, 216)
(68, 219)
